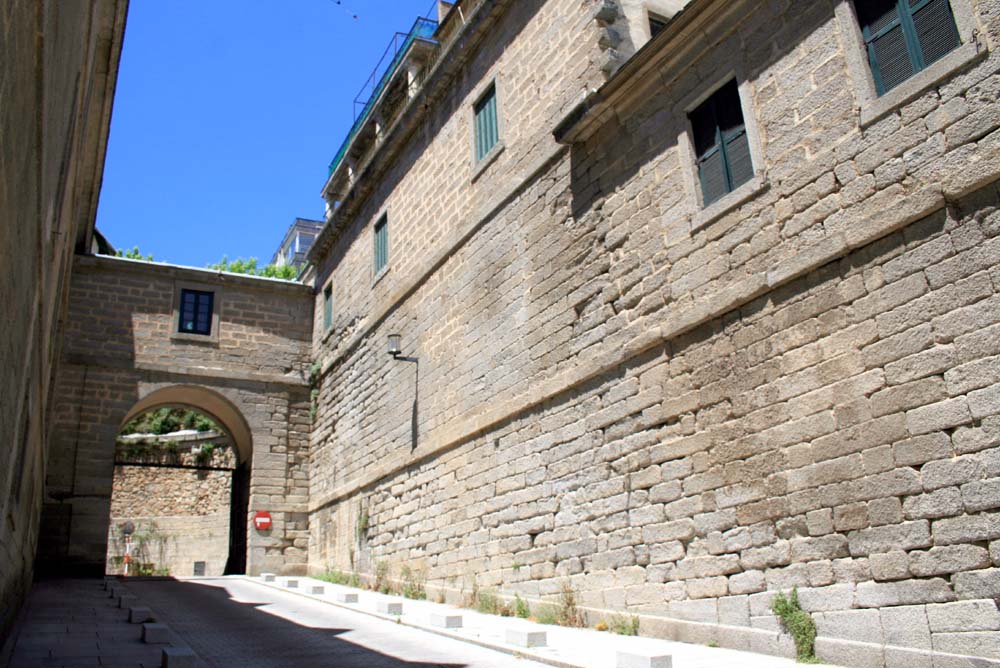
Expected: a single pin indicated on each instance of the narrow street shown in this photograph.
(229, 623)
(232, 622)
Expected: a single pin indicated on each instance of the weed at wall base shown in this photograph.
(797, 623)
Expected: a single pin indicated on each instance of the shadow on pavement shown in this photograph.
(227, 632)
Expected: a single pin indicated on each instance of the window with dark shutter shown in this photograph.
(196, 312)
(656, 24)
(905, 36)
(327, 308)
(381, 244)
(721, 145)
(487, 129)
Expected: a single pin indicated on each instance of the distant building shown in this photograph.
(297, 242)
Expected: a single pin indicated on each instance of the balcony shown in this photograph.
(391, 83)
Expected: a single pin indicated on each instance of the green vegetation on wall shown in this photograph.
(250, 268)
(168, 420)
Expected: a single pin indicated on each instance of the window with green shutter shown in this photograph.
(487, 132)
(381, 244)
(721, 145)
(327, 308)
(905, 36)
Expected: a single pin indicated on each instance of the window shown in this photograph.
(327, 308)
(721, 145)
(656, 24)
(196, 312)
(905, 36)
(487, 131)
(381, 244)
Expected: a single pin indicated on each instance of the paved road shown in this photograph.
(231, 622)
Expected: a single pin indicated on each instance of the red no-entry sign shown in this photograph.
(262, 520)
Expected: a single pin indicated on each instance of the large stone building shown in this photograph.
(683, 321)
(675, 304)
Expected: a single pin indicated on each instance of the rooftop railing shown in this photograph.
(423, 30)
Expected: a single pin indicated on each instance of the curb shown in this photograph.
(517, 652)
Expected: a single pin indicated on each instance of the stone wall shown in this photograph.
(143, 491)
(170, 545)
(679, 411)
(60, 61)
(122, 357)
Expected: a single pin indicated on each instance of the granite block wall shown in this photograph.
(680, 410)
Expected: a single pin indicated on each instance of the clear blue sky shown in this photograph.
(227, 114)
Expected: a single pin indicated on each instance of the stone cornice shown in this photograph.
(173, 271)
(187, 372)
(687, 34)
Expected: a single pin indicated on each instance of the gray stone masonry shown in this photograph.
(60, 64)
(678, 411)
(122, 355)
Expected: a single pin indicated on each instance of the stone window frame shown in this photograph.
(328, 307)
(213, 336)
(874, 107)
(654, 16)
(377, 276)
(705, 215)
(480, 92)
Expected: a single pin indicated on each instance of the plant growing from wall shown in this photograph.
(624, 625)
(797, 623)
(339, 577)
(413, 584)
(547, 614)
(486, 601)
(567, 612)
(314, 371)
(362, 527)
(203, 455)
(382, 583)
(521, 608)
(133, 254)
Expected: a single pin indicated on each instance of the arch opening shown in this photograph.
(180, 488)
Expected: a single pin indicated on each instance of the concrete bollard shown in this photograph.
(390, 608)
(267, 577)
(178, 657)
(139, 615)
(346, 597)
(525, 637)
(446, 621)
(155, 634)
(291, 584)
(634, 659)
(317, 590)
(127, 601)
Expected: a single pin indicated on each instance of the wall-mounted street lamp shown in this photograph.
(394, 349)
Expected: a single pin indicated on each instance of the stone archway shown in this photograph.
(124, 352)
(231, 419)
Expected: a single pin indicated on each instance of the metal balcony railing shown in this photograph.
(423, 30)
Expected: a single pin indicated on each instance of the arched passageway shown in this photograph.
(126, 352)
(229, 417)
(181, 486)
